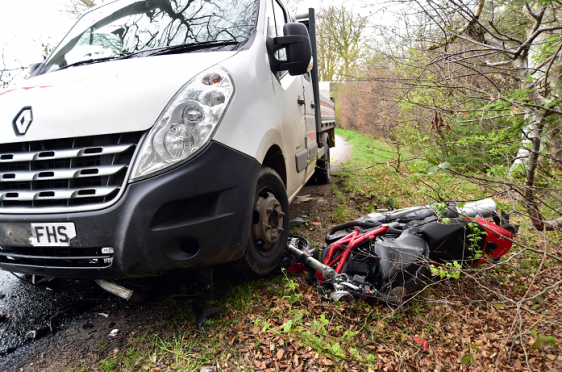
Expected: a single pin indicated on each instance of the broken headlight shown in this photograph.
(187, 123)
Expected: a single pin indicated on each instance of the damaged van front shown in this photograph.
(136, 148)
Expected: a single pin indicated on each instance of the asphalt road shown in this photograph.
(340, 153)
(41, 308)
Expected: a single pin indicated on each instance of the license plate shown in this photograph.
(52, 234)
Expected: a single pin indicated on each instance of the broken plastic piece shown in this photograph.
(34, 335)
(297, 221)
(202, 313)
(116, 289)
(424, 344)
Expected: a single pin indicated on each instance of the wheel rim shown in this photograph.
(267, 221)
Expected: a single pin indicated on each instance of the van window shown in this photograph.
(280, 20)
(128, 27)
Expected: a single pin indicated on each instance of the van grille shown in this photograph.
(64, 173)
(55, 256)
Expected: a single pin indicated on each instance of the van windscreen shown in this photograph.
(128, 28)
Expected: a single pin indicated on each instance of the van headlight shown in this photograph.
(186, 124)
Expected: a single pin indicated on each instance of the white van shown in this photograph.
(162, 135)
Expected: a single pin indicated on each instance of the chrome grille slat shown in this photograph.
(55, 257)
(58, 194)
(59, 174)
(63, 154)
(14, 255)
(67, 174)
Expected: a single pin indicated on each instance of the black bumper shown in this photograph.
(195, 215)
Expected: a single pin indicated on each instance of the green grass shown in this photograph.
(377, 171)
(369, 179)
(367, 151)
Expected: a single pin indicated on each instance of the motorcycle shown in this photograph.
(387, 255)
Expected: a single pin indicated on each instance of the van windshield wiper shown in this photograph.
(156, 52)
(96, 60)
(189, 47)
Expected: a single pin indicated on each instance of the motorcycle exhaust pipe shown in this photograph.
(303, 257)
(481, 208)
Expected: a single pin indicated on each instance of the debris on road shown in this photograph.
(113, 333)
(297, 221)
(120, 291)
(34, 335)
(103, 314)
(424, 345)
(303, 198)
(202, 313)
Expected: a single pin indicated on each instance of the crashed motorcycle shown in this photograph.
(387, 255)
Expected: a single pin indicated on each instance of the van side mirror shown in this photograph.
(299, 51)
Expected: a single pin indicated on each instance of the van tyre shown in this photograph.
(269, 227)
(322, 171)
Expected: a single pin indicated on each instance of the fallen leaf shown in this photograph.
(551, 357)
(280, 353)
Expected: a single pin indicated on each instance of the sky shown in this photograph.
(26, 24)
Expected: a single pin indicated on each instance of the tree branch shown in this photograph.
(88, 3)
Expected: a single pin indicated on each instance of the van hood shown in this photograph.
(102, 98)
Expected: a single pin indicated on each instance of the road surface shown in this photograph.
(340, 153)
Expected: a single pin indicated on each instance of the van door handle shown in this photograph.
(300, 101)
(312, 104)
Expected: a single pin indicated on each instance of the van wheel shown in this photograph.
(269, 227)
(322, 171)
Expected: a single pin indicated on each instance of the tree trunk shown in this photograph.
(537, 125)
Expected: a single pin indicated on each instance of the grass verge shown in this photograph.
(280, 324)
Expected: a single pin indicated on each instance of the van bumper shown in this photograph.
(195, 215)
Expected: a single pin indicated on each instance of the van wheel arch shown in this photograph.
(275, 160)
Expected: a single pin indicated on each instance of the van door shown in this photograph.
(289, 95)
(310, 123)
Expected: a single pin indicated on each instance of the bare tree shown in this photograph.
(485, 66)
(340, 36)
(79, 7)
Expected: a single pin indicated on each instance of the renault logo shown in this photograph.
(22, 121)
